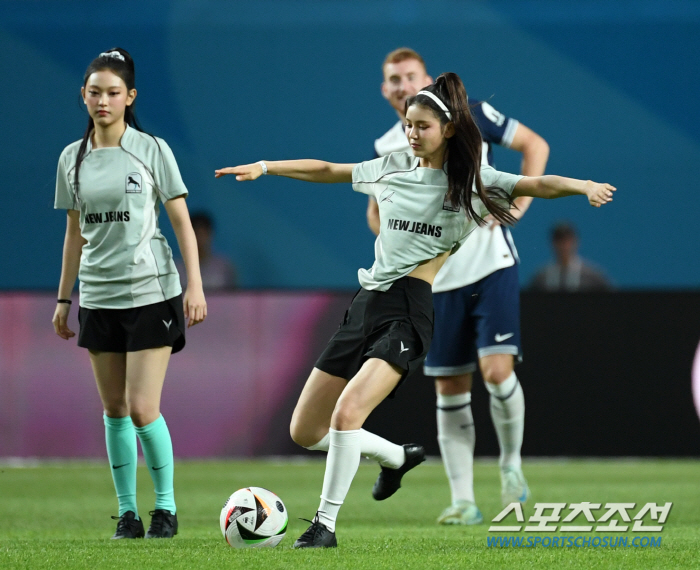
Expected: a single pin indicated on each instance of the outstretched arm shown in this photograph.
(558, 187)
(307, 169)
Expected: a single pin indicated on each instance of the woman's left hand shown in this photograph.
(195, 306)
(599, 194)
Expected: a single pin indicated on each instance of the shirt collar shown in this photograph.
(125, 142)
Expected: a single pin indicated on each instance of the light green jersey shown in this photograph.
(417, 221)
(126, 262)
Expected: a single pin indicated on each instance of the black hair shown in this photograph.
(202, 219)
(463, 157)
(119, 62)
(563, 230)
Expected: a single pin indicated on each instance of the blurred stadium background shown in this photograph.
(612, 86)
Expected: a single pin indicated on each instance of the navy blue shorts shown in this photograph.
(475, 321)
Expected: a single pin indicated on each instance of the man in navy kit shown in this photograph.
(477, 307)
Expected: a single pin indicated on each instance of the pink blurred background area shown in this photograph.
(228, 393)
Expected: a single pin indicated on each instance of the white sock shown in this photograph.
(457, 437)
(372, 446)
(382, 450)
(341, 466)
(508, 415)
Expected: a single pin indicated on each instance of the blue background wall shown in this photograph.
(612, 86)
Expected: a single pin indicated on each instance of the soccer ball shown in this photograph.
(253, 517)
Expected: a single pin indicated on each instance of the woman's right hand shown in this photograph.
(245, 172)
(60, 321)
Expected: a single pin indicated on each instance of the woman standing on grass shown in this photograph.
(429, 202)
(112, 183)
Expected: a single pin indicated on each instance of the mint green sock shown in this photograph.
(158, 451)
(123, 455)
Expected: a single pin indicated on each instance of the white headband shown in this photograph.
(437, 100)
(112, 54)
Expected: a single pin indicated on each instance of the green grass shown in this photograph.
(57, 516)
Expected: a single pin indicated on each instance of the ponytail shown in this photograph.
(463, 157)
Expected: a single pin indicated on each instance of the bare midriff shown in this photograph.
(427, 270)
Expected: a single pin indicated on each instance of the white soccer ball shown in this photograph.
(253, 517)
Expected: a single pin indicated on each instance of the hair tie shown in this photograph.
(113, 54)
(437, 100)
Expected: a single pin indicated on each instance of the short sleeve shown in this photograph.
(366, 174)
(492, 177)
(65, 195)
(495, 127)
(167, 174)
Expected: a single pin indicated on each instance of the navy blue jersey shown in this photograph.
(495, 127)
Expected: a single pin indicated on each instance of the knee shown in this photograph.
(304, 434)
(115, 408)
(300, 435)
(452, 385)
(497, 373)
(346, 416)
(143, 413)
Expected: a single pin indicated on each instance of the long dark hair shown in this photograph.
(119, 62)
(463, 157)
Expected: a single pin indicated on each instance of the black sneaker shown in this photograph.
(316, 536)
(128, 526)
(389, 480)
(163, 524)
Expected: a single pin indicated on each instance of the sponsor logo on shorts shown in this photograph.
(133, 183)
(167, 324)
(403, 348)
(502, 337)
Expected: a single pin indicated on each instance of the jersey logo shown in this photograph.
(492, 115)
(502, 337)
(133, 183)
(447, 205)
(387, 198)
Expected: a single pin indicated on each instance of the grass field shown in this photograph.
(56, 515)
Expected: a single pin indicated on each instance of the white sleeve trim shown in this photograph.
(509, 133)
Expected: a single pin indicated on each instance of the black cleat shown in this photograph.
(163, 524)
(128, 526)
(389, 480)
(316, 536)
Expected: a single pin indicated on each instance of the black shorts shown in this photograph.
(395, 326)
(130, 330)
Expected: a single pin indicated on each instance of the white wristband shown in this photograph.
(264, 166)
